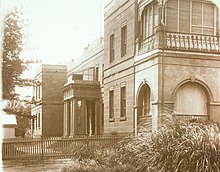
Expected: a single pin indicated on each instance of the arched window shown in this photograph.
(190, 99)
(144, 101)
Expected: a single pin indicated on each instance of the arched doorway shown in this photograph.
(191, 100)
(144, 106)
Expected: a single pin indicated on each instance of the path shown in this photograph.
(51, 165)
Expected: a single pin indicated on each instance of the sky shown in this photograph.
(59, 29)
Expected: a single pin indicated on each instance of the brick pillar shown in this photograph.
(65, 119)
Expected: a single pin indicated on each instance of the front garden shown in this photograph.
(177, 146)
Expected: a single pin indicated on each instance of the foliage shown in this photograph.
(22, 110)
(178, 145)
(12, 64)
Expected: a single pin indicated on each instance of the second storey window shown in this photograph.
(123, 40)
(111, 104)
(111, 48)
(149, 20)
(197, 17)
(123, 102)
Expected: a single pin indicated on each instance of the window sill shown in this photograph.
(111, 119)
(124, 118)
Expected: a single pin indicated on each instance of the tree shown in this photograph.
(12, 68)
(12, 64)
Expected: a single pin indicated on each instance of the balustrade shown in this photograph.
(192, 41)
(147, 44)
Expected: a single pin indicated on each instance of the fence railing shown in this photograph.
(53, 146)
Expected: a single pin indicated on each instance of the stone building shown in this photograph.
(157, 57)
(83, 105)
(119, 35)
(48, 97)
(160, 56)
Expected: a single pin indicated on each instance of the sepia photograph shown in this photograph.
(110, 85)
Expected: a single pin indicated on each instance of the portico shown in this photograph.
(82, 103)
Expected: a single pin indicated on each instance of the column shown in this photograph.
(73, 117)
(89, 122)
(65, 119)
(68, 117)
(83, 116)
(97, 118)
(86, 118)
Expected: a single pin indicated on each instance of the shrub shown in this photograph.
(178, 145)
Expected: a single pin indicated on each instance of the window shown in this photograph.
(123, 102)
(35, 121)
(38, 120)
(97, 73)
(123, 40)
(149, 20)
(111, 104)
(189, 16)
(203, 18)
(190, 99)
(155, 16)
(38, 92)
(146, 101)
(112, 51)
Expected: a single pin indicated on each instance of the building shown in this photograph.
(8, 125)
(160, 56)
(157, 57)
(48, 97)
(119, 51)
(83, 93)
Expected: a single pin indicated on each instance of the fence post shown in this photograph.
(42, 147)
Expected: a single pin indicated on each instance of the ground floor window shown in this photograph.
(190, 99)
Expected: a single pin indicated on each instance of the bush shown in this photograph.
(177, 146)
